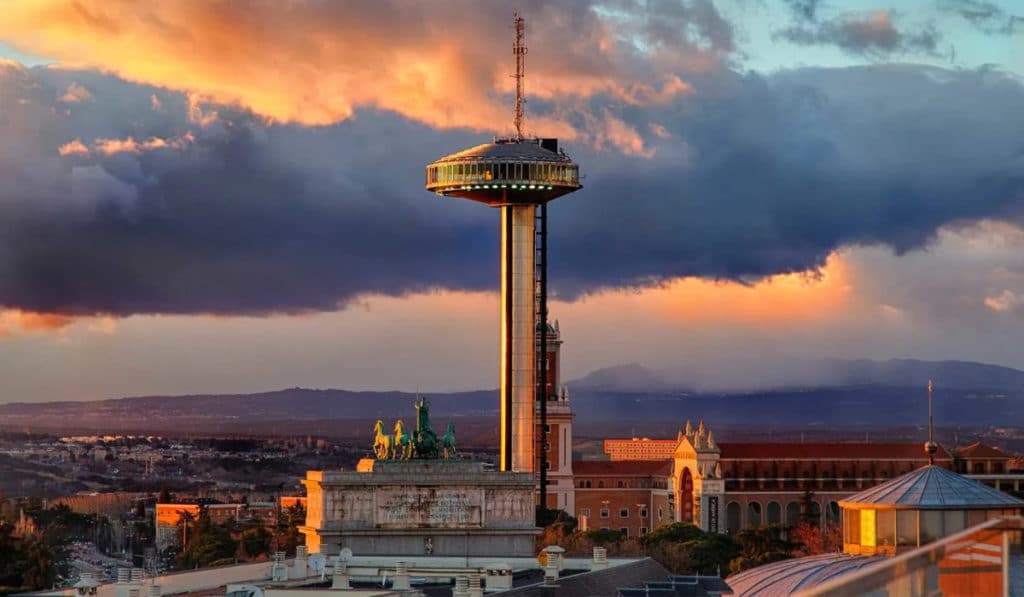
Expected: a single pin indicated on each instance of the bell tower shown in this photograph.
(558, 447)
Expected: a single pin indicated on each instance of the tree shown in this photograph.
(287, 536)
(256, 541)
(762, 545)
(207, 542)
(810, 511)
(674, 532)
(813, 540)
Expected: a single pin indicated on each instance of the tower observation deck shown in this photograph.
(518, 175)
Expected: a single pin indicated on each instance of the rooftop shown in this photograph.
(980, 450)
(528, 150)
(826, 451)
(599, 583)
(932, 487)
(789, 576)
(621, 467)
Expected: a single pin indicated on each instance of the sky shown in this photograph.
(211, 196)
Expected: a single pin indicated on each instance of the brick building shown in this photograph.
(632, 497)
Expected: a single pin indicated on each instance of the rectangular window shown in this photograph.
(906, 528)
(931, 525)
(604, 513)
(643, 530)
(954, 521)
(584, 511)
(624, 531)
(885, 527)
(643, 512)
(867, 528)
(623, 512)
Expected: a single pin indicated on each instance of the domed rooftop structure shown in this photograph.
(789, 576)
(917, 508)
(932, 487)
(506, 172)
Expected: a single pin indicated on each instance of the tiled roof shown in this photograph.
(827, 451)
(593, 468)
(980, 450)
(600, 583)
(789, 576)
(933, 487)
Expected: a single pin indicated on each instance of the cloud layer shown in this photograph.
(192, 180)
(123, 204)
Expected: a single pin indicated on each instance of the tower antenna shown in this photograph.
(930, 448)
(519, 51)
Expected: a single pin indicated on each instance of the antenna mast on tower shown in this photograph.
(931, 447)
(519, 51)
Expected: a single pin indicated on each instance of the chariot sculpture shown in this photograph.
(421, 444)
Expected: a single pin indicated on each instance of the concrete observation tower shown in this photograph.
(519, 175)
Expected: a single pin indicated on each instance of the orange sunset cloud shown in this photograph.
(316, 64)
(15, 320)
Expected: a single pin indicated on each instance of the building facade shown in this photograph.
(630, 497)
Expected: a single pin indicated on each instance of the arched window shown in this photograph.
(773, 513)
(813, 514)
(792, 514)
(732, 517)
(686, 495)
(754, 514)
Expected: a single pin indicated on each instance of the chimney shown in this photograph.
(299, 567)
(401, 581)
(475, 586)
(551, 572)
(278, 570)
(341, 580)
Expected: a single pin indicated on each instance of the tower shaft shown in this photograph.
(518, 337)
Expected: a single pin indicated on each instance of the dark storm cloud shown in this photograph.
(870, 33)
(225, 223)
(783, 170)
(986, 16)
(806, 10)
(154, 212)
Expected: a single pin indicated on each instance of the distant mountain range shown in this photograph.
(823, 373)
(832, 393)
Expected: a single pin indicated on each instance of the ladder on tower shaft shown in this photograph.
(541, 310)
